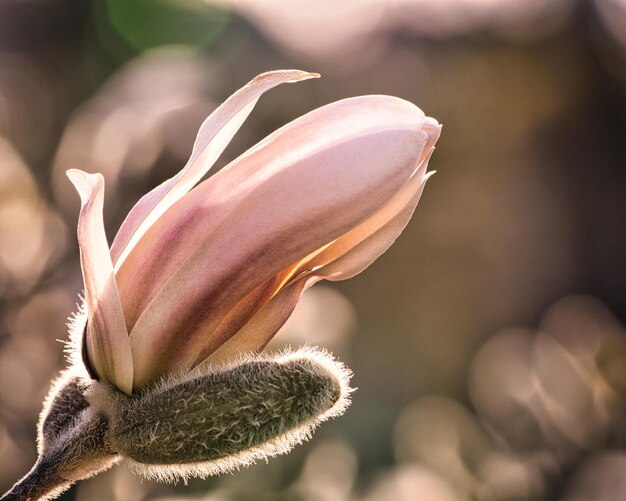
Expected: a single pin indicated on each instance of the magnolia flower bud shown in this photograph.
(202, 274)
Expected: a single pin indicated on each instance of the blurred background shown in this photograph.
(488, 344)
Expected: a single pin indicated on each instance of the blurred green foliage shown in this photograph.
(146, 24)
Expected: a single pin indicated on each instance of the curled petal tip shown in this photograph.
(432, 122)
(305, 76)
(77, 175)
(84, 182)
(74, 172)
(294, 75)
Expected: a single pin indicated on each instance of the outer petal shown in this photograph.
(107, 341)
(255, 334)
(298, 190)
(351, 253)
(345, 257)
(355, 251)
(213, 137)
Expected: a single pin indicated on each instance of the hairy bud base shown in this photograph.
(219, 421)
(206, 422)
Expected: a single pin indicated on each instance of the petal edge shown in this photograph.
(214, 135)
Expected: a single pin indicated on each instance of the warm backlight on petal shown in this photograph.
(298, 190)
(214, 135)
(200, 274)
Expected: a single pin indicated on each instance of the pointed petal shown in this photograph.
(213, 137)
(351, 253)
(108, 344)
(321, 175)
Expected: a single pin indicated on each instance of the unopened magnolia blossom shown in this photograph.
(201, 276)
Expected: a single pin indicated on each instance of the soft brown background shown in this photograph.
(488, 344)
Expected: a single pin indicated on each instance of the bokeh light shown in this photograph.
(488, 344)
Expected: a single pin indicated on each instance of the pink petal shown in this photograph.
(256, 333)
(345, 257)
(107, 341)
(360, 247)
(213, 137)
(296, 191)
(351, 253)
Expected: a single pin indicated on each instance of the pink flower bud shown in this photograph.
(199, 275)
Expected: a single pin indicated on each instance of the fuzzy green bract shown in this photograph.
(210, 421)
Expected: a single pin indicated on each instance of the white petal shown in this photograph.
(108, 344)
(298, 190)
(213, 137)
